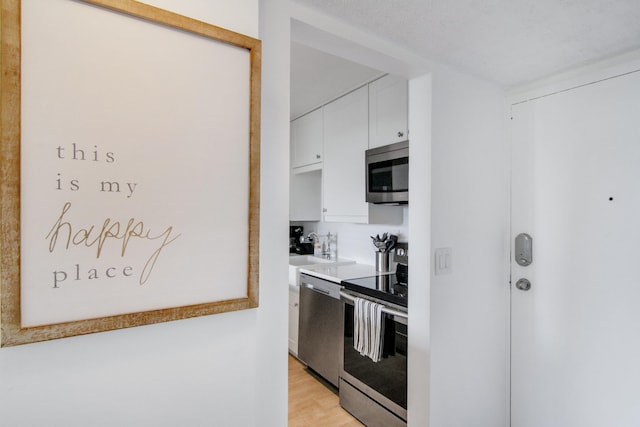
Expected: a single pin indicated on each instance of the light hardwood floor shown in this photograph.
(313, 403)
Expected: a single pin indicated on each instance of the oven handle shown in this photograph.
(386, 310)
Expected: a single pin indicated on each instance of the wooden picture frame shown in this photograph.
(104, 295)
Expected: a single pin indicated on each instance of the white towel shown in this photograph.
(368, 328)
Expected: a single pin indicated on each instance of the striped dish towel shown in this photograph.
(368, 328)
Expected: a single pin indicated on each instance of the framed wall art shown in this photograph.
(129, 182)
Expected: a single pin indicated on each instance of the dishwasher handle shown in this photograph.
(315, 289)
(321, 286)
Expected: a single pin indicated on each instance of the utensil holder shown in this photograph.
(382, 262)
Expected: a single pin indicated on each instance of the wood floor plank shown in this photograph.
(313, 403)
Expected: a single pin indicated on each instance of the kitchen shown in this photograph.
(458, 121)
(328, 182)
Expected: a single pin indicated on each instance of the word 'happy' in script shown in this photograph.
(105, 234)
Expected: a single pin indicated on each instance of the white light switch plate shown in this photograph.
(442, 261)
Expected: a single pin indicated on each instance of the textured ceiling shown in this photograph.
(509, 42)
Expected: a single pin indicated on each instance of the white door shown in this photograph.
(576, 192)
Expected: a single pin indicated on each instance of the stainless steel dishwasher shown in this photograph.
(320, 328)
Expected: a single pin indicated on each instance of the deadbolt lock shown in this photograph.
(524, 249)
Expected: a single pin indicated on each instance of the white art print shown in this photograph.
(135, 166)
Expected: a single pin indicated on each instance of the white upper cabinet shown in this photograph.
(388, 107)
(345, 141)
(328, 151)
(306, 141)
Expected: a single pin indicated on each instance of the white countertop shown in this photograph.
(294, 270)
(338, 273)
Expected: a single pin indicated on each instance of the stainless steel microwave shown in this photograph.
(387, 170)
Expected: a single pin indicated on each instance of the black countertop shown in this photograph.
(385, 287)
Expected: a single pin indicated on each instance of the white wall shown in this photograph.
(419, 360)
(271, 376)
(227, 369)
(470, 214)
(354, 241)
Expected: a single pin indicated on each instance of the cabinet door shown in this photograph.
(294, 302)
(388, 106)
(345, 141)
(306, 139)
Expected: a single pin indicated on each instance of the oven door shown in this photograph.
(385, 381)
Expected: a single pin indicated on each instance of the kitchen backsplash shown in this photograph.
(354, 241)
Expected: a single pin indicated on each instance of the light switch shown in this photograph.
(442, 261)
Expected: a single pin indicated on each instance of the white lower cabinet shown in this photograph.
(294, 310)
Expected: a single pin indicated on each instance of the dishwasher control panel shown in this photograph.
(321, 286)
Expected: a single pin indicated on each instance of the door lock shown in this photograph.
(524, 249)
(523, 284)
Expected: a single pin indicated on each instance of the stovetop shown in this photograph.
(385, 287)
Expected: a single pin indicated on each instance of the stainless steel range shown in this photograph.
(375, 391)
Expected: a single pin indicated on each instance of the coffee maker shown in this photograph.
(297, 245)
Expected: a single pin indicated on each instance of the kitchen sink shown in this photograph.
(300, 260)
